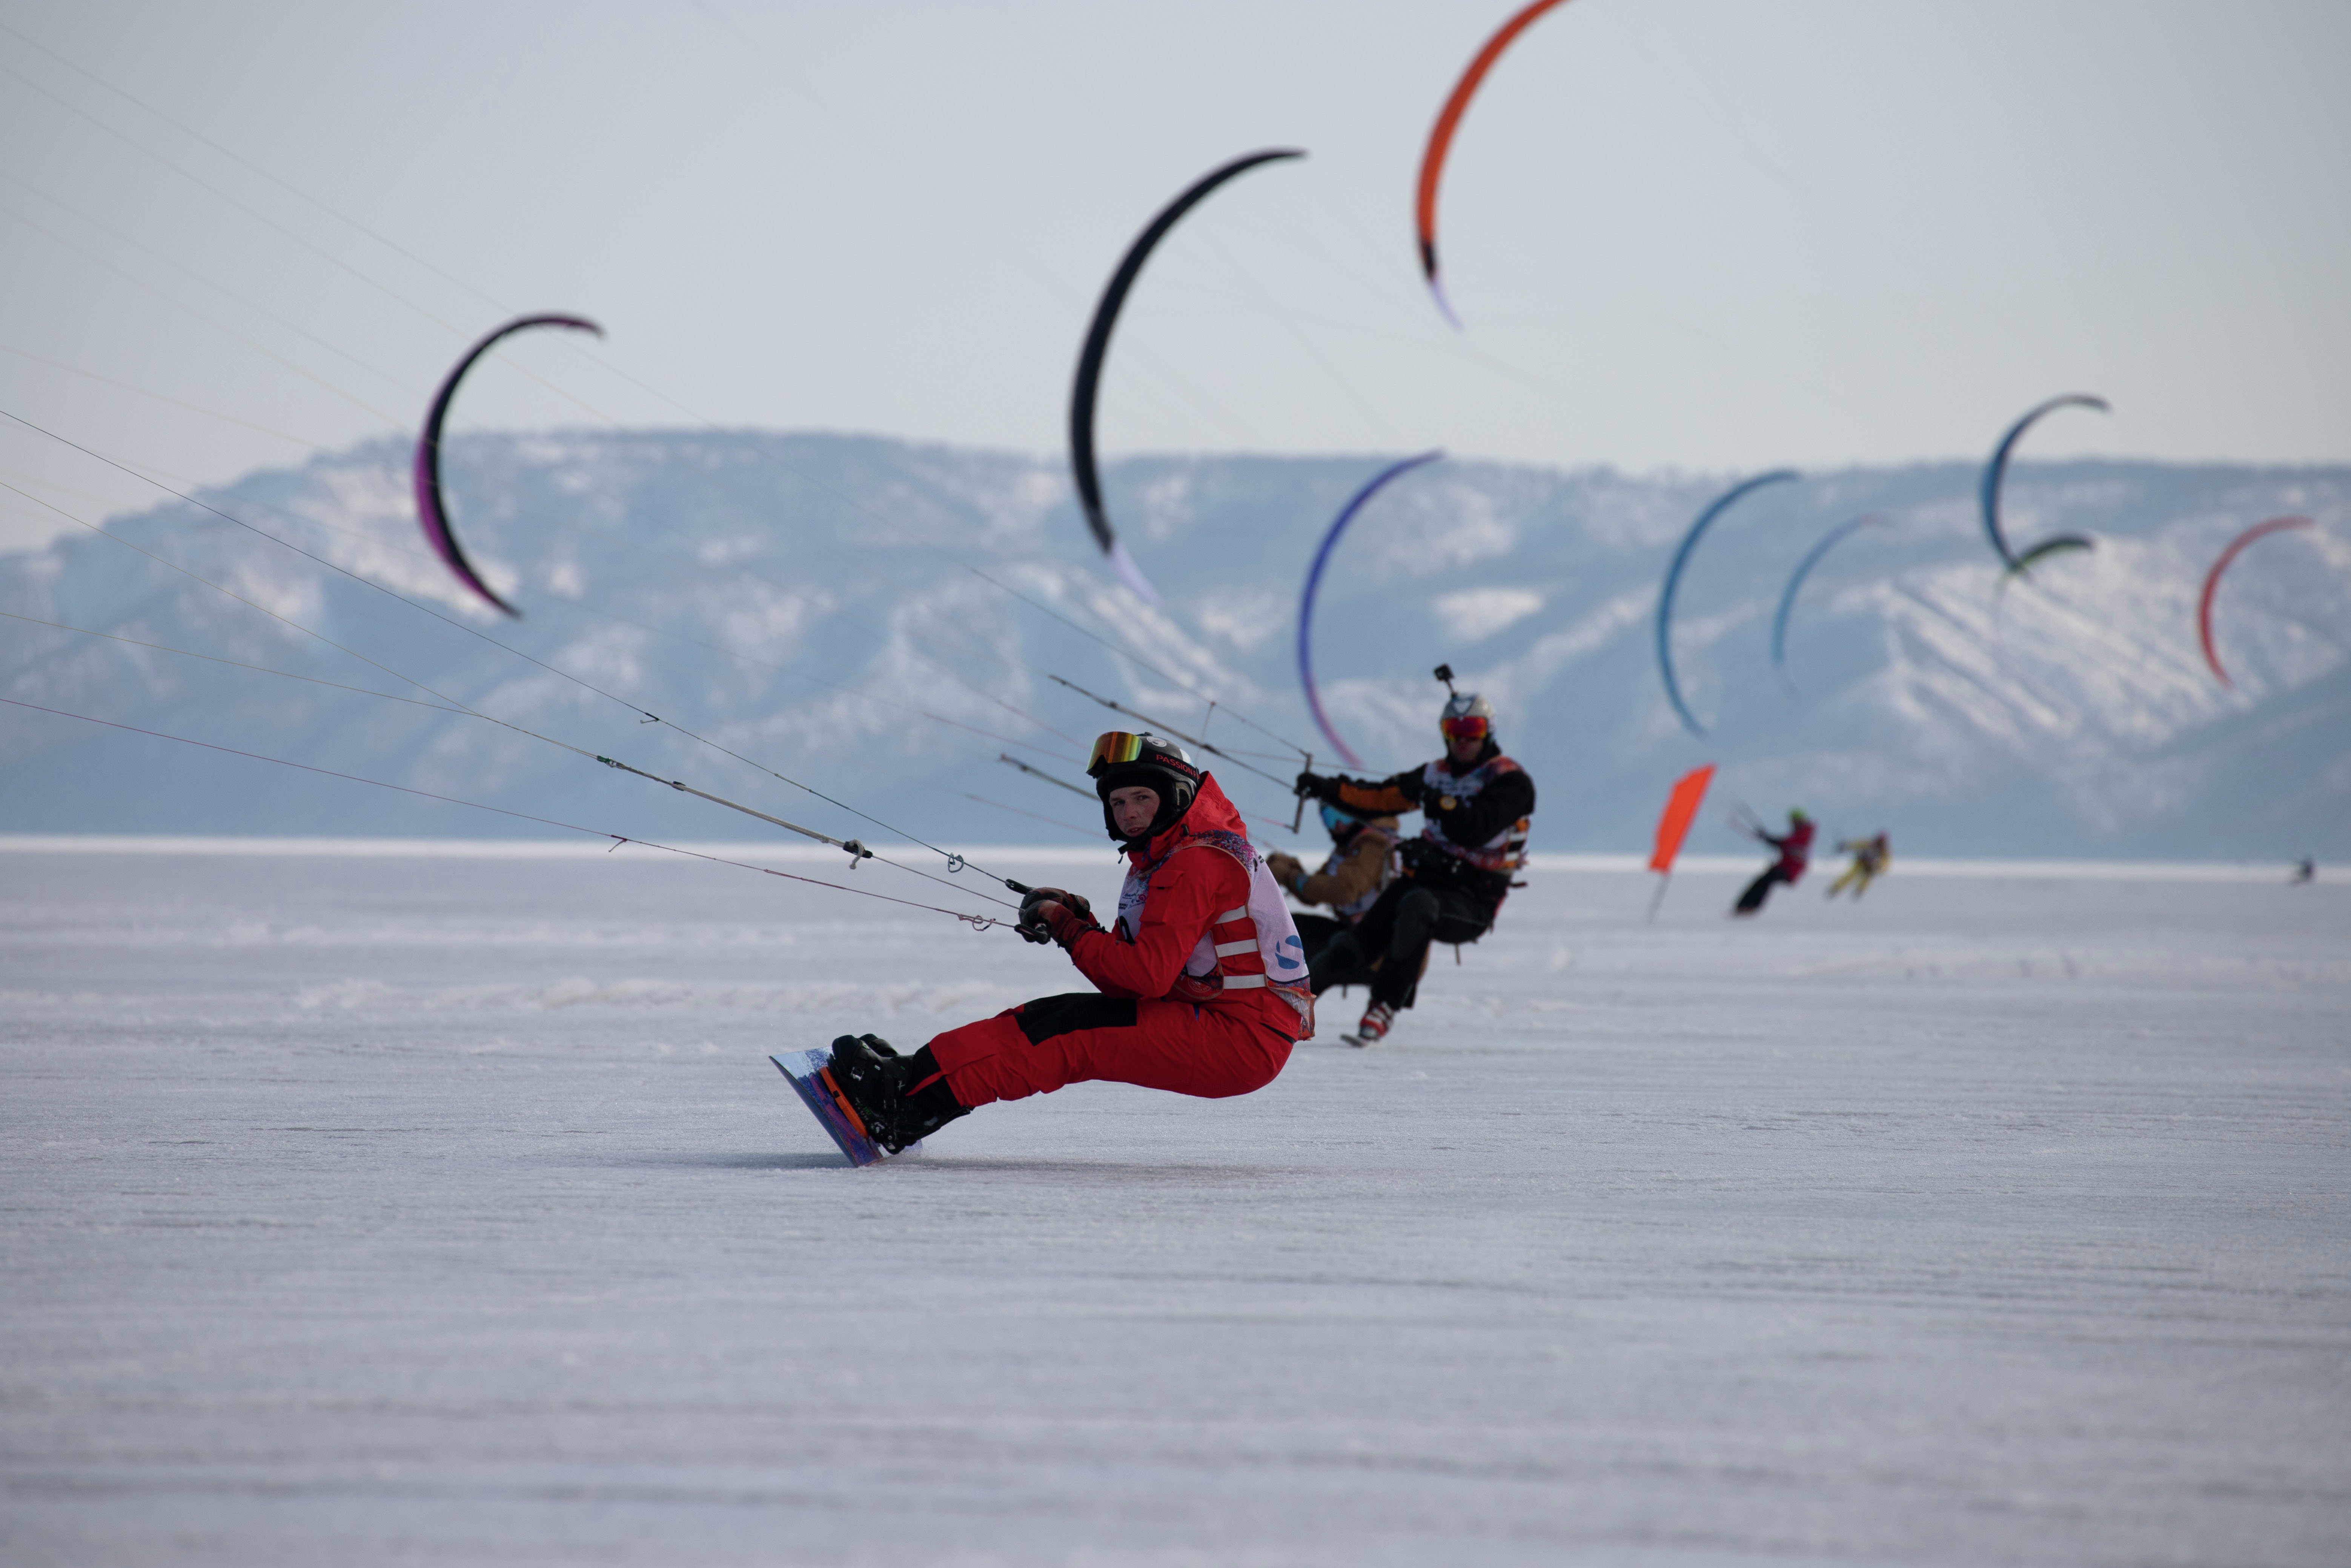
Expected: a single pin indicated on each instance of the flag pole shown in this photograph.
(1681, 807)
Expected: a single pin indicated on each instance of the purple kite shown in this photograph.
(430, 510)
(1314, 583)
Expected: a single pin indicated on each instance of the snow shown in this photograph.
(364, 1207)
(804, 599)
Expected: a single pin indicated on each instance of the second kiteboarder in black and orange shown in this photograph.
(1475, 805)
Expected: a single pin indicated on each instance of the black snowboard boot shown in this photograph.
(889, 1092)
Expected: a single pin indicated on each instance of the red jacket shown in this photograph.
(1194, 883)
(1795, 850)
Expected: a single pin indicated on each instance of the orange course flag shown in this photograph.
(1681, 809)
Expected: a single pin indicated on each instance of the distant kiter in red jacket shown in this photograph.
(1200, 984)
(1795, 847)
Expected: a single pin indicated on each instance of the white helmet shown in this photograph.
(1467, 714)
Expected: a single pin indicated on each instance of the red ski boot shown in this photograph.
(1374, 1027)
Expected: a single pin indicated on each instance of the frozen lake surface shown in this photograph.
(364, 1210)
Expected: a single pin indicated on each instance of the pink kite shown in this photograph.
(2212, 581)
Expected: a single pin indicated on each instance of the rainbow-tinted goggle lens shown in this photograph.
(1115, 749)
(1469, 726)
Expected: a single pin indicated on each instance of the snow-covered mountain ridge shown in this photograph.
(880, 620)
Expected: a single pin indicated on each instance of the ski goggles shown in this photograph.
(1335, 820)
(1469, 726)
(1115, 749)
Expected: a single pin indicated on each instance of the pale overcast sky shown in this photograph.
(1697, 234)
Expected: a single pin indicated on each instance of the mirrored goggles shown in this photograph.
(1469, 726)
(1113, 750)
(1337, 821)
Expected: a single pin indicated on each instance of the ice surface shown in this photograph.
(362, 1208)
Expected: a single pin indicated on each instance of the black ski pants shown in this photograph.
(1399, 930)
(1759, 890)
(1316, 932)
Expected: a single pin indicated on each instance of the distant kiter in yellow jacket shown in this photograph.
(1870, 858)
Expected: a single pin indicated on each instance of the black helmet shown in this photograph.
(1120, 758)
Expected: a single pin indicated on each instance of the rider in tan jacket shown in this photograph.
(1359, 868)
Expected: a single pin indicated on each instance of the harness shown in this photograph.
(1506, 851)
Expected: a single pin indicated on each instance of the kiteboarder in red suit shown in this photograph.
(1200, 983)
(1795, 847)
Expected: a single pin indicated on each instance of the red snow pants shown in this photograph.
(1040, 1046)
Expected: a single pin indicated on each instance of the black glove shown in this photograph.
(1314, 786)
(1050, 914)
(1031, 923)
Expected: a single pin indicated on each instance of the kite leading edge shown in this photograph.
(432, 512)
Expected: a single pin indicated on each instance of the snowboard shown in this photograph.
(806, 1072)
